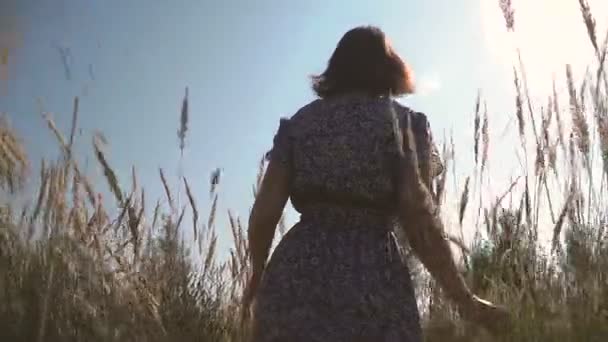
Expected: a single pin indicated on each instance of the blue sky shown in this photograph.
(246, 64)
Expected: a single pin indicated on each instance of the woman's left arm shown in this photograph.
(271, 198)
(266, 213)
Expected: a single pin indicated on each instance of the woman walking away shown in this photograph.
(356, 165)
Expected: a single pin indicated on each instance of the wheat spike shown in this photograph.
(195, 214)
(485, 138)
(183, 127)
(167, 190)
(464, 200)
(580, 125)
(108, 172)
(476, 127)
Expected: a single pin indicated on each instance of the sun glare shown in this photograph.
(549, 33)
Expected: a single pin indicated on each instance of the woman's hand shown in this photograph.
(495, 319)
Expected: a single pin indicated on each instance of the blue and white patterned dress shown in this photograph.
(338, 274)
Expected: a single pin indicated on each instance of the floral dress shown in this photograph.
(338, 274)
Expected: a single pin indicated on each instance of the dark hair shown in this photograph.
(364, 61)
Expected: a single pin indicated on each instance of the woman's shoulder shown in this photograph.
(303, 112)
(403, 111)
(318, 107)
(311, 107)
(418, 119)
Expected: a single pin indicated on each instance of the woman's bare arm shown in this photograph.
(266, 213)
(422, 224)
(425, 234)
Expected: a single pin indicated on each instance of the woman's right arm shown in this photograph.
(420, 218)
(424, 229)
(425, 233)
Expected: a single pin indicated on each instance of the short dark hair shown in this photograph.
(364, 61)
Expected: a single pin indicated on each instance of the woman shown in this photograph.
(355, 164)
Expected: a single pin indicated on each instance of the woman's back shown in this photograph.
(338, 274)
(343, 151)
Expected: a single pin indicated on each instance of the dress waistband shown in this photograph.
(344, 217)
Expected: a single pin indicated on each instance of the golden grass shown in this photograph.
(71, 272)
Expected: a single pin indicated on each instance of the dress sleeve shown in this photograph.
(437, 167)
(282, 143)
(428, 153)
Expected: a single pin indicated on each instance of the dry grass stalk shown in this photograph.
(14, 162)
(42, 191)
(583, 91)
(55, 130)
(240, 251)
(210, 257)
(508, 13)
(76, 187)
(558, 119)
(123, 213)
(580, 126)
(519, 106)
(476, 127)
(441, 181)
(108, 172)
(73, 129)
(493, 213)
(601, 106)
(459, 243)
(602, 127)
(485, 137)
(589, 24)
(135, 219)
(557, 229)
(194, 208)
(539, 164)
(526, 92)
(546, 117)
(527, 203)
(167, 190)
(464, 200)
(45, 303)
(200, 242)
(214, 181)
(134, 186)
(92, 196)
(156, 214)
(179, 222)
(183, 128)
(212, 213)
(50, 200)
(600, 74)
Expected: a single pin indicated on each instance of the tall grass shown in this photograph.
(70, 271)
